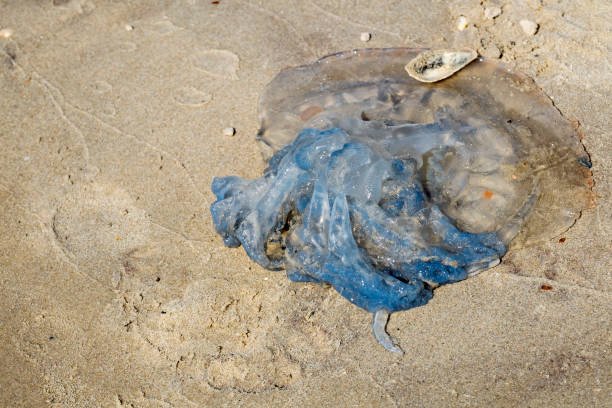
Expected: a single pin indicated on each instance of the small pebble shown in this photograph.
(230, 131)
(492, 12)
(6, 32)
(492, 52)
(129, 27)
(462, 23)
(365, 37)
(529, 27)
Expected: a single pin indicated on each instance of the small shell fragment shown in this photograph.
(229, 131)
(365, 37)
(529, 27)
(6, 32)
(492, 12)
(462, 23)
(435, 65)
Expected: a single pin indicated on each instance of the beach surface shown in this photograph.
(115, 290)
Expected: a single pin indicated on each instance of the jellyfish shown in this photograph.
(386, 187)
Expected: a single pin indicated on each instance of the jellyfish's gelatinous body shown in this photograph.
(386, 187)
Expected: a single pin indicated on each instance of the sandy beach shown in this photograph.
(115, 290)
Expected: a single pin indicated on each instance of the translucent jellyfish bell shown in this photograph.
(500, 133)
(386, 187)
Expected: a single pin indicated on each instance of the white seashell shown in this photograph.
(435, 65)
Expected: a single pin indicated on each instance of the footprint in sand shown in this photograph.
(96, 225)
(79, 6)
(190, 96)
(126, 46)
(101, 87)
(108, 108)
(163, 27)
(218, 63)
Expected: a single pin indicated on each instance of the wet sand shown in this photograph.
(116, 292)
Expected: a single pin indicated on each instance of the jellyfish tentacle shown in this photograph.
(379, 323)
